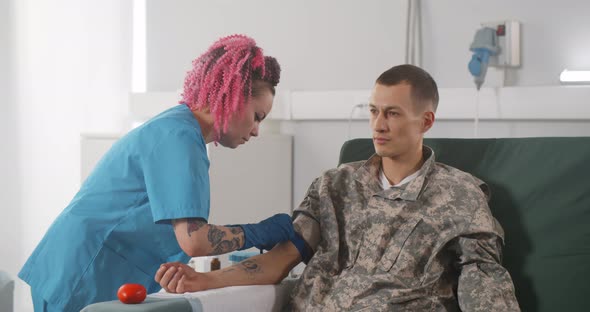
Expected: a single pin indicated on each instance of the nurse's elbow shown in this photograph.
(194, 250)
(194, 245)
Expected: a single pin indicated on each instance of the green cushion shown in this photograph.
(541, 196)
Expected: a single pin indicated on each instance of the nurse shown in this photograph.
(147, 200)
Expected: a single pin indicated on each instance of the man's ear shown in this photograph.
(427, 120)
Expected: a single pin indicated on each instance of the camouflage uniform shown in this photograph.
(429, 245)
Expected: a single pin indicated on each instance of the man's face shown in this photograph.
(246, 124)
(397, 124)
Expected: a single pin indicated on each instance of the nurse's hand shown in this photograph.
(176, 277)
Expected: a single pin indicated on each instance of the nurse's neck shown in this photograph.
(206, 121)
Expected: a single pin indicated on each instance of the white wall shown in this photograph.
(72, 64)
(328, 44)
(345, 44)
(10, 240)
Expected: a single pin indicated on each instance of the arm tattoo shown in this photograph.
(250, 267)
(221, 244)
(226, 246)
(236, 230)
(215, 235)
(194, 224)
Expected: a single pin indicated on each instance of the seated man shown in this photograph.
(397, 232)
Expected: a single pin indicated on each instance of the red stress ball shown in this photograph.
(131, 293)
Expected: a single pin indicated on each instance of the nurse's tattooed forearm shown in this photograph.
(226, 246)
(220, 239)
(194, 224)
(221, 243)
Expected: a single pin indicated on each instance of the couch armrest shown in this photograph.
(235, 298)
(240, 298)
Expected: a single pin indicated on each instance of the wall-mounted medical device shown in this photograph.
(495, 44)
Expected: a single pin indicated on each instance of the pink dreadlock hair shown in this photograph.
(221, 78)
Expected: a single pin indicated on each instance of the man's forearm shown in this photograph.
(268, 268)
(264, 269)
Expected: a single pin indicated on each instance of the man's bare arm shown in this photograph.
(268, 268)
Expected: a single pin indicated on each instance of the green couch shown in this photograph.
(541, 196)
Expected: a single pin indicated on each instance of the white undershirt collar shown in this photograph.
(385, 183)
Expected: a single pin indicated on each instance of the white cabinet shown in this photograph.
(92, 148)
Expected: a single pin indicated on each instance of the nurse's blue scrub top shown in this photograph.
(117, 228)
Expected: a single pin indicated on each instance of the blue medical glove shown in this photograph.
(268, 233)
(304, 250)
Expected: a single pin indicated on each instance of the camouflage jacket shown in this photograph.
(429, 245)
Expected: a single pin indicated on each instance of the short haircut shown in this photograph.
(424, 89)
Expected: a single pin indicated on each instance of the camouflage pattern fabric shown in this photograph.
(429, 245)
